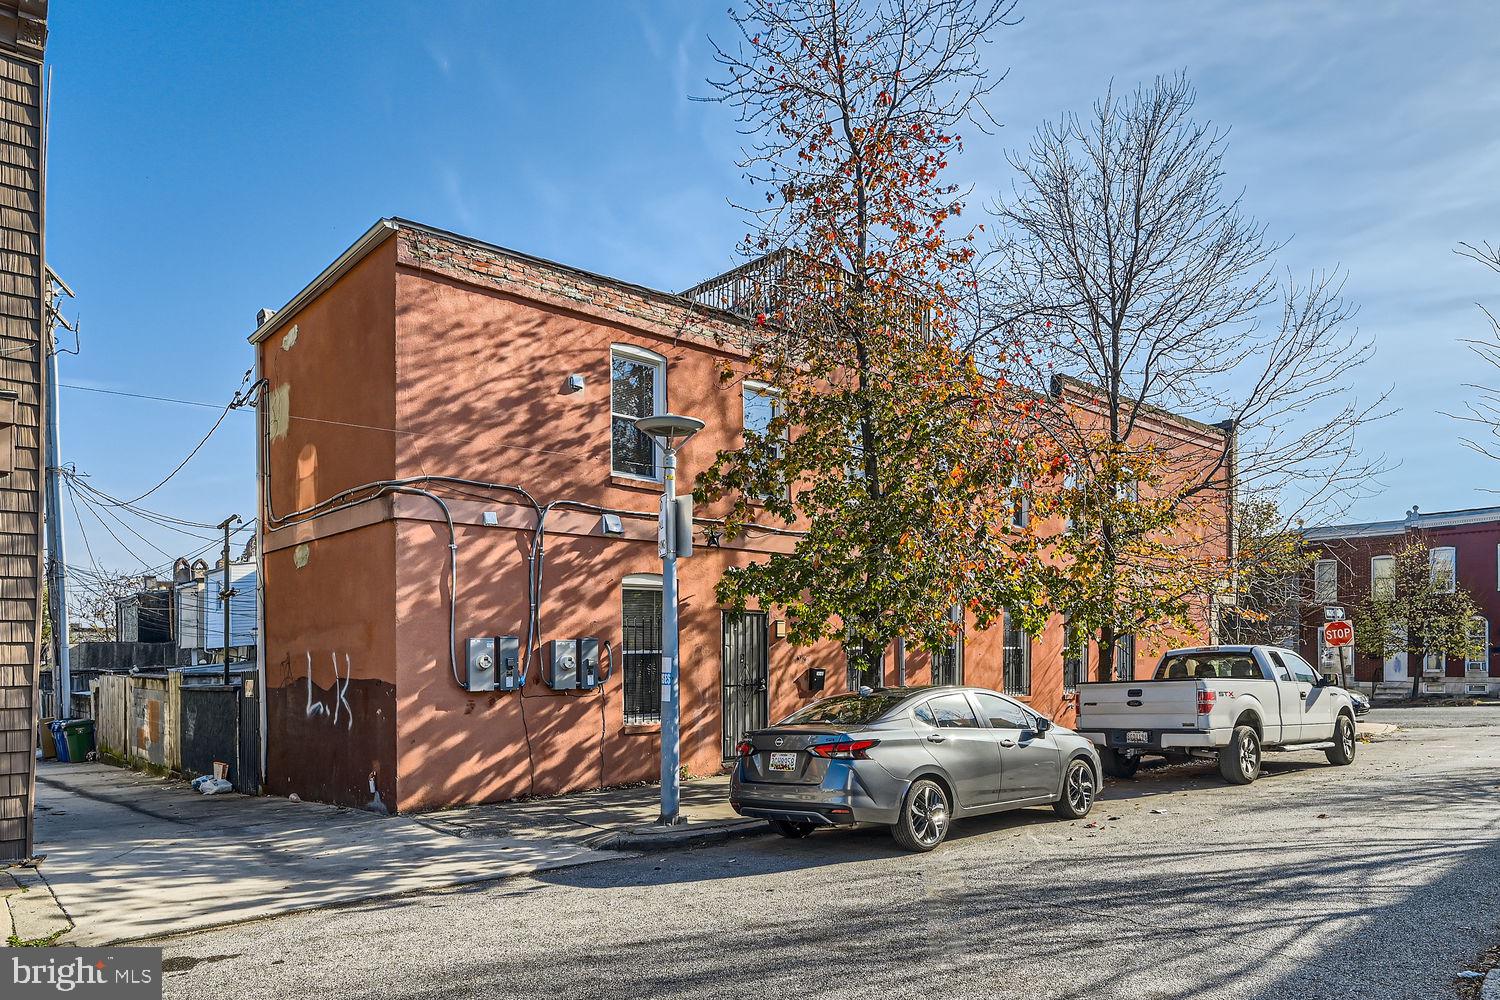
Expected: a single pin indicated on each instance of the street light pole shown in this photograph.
(671, 687)
(671, 431)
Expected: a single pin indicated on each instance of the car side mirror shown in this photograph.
(1042, 725)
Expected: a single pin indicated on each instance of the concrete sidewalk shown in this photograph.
(130, 856)
(610, 818)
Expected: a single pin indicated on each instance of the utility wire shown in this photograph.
(118, 540)
(234, 402)
(97, 509)
(138, 395)
(78, 519)
(144, 512)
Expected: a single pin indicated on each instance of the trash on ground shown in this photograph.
(210, 785)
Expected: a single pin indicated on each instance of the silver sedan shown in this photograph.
(913, 759)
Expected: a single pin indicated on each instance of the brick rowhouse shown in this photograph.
(424, 353)
(1350, 556)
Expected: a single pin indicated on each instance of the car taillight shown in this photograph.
(1205, 702)
(843, 749)
(745, 748)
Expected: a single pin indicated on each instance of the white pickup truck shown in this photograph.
(1226, 702)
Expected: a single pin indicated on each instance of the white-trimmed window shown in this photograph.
(1434, 664)
(1020, 514)
(1326, 580)
(1444, 562)
(762, 405)
(1383, 577)
(637, 388)
(1477, 660)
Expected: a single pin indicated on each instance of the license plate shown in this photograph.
(783, 762)
(1136, 736)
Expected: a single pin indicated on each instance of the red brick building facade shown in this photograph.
(1464, 545)
(420, 353)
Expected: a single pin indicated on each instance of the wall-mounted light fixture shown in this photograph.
(711, 536)
(778, 628)
(610, 525)
(573, 383)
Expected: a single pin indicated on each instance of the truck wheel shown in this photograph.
(1342, 751)
(924, 817)
(1117, 765)
(1239, 762)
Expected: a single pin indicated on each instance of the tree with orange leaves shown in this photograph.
(883, 438)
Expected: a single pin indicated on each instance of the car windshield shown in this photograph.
(848, 709)
(1185, 666)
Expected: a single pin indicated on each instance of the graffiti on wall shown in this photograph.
(340, 711)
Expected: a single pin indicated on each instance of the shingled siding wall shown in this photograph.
(22, 38)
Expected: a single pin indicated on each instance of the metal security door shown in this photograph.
(746, 677)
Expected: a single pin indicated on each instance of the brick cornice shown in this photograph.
(599, 298)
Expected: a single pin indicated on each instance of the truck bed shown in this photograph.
(1152, 704)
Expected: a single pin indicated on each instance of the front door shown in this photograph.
(745, 672)
(962, 747)
(1319, 710)
(1030, 762)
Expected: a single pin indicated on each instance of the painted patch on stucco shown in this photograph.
(280, 410)
(289, 339)
(301, 554)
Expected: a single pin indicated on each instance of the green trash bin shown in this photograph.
(80, 736)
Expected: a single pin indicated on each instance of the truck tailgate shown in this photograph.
(1107, 705)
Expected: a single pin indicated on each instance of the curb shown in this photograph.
(647, 839)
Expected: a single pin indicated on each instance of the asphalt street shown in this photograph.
(1379, 880)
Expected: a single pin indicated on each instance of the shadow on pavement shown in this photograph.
(1210, 916)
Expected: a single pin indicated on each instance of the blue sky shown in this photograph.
(210, 159)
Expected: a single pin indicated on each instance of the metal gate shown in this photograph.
(746, 677)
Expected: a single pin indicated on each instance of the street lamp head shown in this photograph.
(671, 429)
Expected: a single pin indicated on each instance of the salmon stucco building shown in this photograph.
(449, 468)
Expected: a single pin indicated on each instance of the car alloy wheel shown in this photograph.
(929, 815)
(1080, 787)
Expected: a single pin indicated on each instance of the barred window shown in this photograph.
(1075, 655)
(948, 663)
(1125, 658)
(641, 655)
(1017, 667)
(861, 675)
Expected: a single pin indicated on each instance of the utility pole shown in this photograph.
(57, 564)
(226, 591)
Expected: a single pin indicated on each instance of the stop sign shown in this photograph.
(1338, 634)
